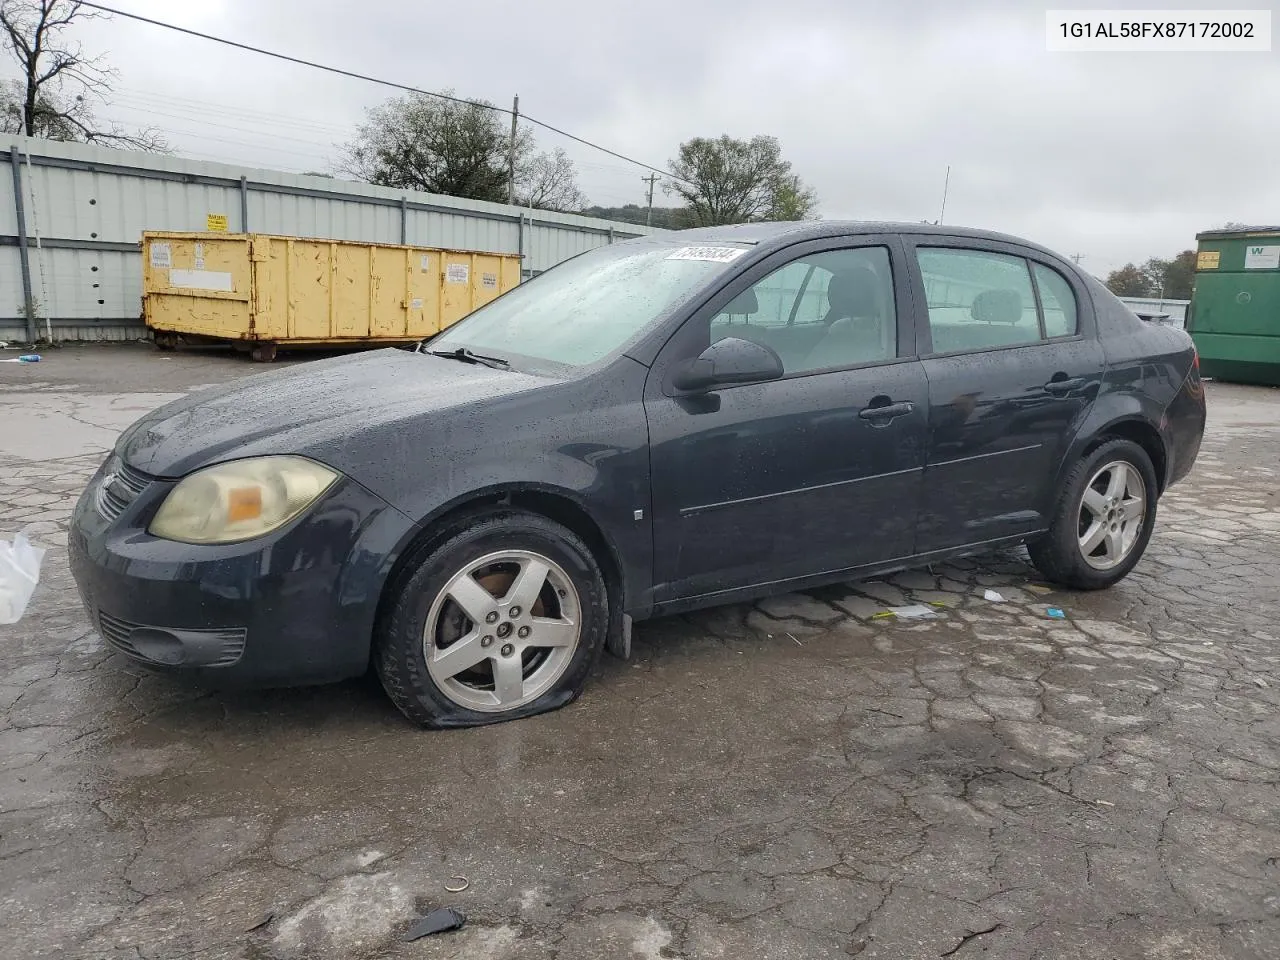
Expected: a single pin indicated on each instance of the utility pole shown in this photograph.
(651, 179)
(511, 152)
(1077, 257)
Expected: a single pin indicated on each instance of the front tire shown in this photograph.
(500, 616)
(1103, 518)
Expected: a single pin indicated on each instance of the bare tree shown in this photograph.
(549, 182)
(59, 83)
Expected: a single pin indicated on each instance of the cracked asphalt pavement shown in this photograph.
(797, 778)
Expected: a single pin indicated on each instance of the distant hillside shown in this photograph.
(670, 218)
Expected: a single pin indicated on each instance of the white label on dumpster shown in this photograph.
(1261, 258)
(416, 303)
(457, 273)
(490, 280)
(161, 256)
(201, 280)
(426, 263)
(713, 254)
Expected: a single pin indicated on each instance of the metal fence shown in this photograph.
(72, 216)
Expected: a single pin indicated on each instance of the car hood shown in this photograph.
(310, 407)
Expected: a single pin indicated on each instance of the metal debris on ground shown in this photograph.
(798, 643)
(1055, 613)
(457, 884)
(437, 921)
(993, 596)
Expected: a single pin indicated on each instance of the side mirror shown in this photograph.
(731, 360)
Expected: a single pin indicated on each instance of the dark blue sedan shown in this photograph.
(658, 425)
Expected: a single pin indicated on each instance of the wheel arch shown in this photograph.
(554, 503)
(1136, 430)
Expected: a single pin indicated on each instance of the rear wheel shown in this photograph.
(501, 617)
(1103, 519)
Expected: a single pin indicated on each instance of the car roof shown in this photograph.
(780, 234)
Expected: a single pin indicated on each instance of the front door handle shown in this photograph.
(1065, 385)
(886, 411)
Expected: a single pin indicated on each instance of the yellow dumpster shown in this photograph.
(260, 291)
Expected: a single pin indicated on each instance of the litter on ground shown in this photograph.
(437, 921)
(993, 596)
(915, 611)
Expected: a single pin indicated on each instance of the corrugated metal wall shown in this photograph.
(86, 208)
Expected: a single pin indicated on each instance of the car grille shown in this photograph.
(120, 487)
(116, 632)
(217, 647)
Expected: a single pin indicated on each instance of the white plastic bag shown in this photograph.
(19, 574)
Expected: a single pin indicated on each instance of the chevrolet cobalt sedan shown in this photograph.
(673, 422)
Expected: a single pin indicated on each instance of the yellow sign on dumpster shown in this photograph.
(216, 223)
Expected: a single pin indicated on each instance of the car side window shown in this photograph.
(822, 311)
(1058, 302)
(977, 299)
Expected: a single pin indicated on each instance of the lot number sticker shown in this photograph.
(1261, 258)
(712, 254)
(457, 273)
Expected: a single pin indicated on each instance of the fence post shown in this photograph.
(404, 221)
(520, 244)
(244, 204)
(24, 257)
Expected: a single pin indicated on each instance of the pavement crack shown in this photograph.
(971, 936)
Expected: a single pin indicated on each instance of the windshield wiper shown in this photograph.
(469, 356)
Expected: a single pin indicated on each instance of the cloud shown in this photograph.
(1115, 156)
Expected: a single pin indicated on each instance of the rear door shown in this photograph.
(1008, 344)
(815, 472)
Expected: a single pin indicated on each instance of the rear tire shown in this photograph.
(1103, 519)
(502, 615)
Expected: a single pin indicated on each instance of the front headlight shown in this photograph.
(240, 500)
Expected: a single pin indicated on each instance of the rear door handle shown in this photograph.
(888, 411)
(1065, 386)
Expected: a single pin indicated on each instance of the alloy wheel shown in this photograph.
(1112, 512)
(502, 631)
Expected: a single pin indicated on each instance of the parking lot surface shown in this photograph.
(797, 778)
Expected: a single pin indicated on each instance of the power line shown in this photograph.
(368, 79)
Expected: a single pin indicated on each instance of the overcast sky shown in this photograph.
(1117, 156)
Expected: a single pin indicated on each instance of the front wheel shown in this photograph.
(502, 616)
(1103, 519)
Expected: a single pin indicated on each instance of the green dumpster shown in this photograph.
(1235, 304)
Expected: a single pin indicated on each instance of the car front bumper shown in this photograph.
(295, 606)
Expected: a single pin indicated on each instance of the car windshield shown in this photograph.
(590, 306)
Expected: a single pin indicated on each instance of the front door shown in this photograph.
(816, 472)
(1013, 368)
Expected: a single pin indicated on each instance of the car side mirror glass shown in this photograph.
(728, 361)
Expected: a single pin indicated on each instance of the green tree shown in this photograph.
(460, 149)
(1129, 281)
(1173, 278)
(725, 180)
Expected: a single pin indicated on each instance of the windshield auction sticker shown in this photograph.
(713, 254)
